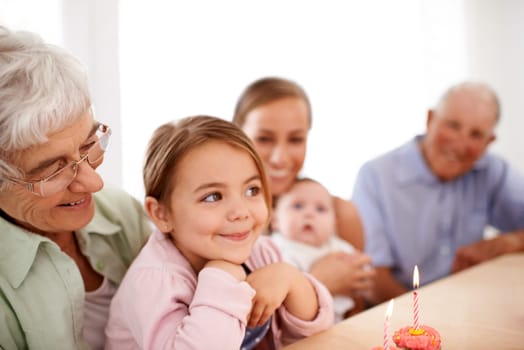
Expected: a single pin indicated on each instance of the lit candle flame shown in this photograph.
(415, 299)
(389, 310)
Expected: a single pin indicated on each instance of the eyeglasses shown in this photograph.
(63, 177)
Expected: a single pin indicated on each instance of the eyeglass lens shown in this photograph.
(60, 180)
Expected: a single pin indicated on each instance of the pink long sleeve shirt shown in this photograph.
(163, 304)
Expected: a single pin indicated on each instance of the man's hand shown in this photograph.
(488, 249)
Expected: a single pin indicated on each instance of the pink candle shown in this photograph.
(389, 311)
(415, 298)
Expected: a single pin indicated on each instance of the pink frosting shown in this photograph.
(429, 340)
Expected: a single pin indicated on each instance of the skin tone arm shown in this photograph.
(487, 249)
(349, 226)
(386, 286)
(277, 284)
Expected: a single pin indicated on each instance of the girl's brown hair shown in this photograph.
(172, 141)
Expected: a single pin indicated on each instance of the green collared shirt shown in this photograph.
(41, 289)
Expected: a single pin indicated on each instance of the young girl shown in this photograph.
(207, 279)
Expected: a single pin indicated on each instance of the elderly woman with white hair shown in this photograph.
(65, 242)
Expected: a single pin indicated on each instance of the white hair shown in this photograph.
(43, 89)
(481, 90)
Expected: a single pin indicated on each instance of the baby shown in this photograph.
(304, 229)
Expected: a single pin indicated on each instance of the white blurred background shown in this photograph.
(371, 68)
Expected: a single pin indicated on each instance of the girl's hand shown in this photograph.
(277, 284)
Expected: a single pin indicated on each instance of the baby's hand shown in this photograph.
(234, 270)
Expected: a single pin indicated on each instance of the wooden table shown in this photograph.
(479, 308)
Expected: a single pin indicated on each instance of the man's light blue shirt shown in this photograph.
(411, 217)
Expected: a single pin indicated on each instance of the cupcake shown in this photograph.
(423, 338)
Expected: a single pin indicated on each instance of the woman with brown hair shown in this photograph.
(276, 114)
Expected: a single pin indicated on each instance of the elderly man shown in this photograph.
(428, 202)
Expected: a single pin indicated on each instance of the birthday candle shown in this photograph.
(389, 311)
(415, 298)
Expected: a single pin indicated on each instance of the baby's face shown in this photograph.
(306, 214)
